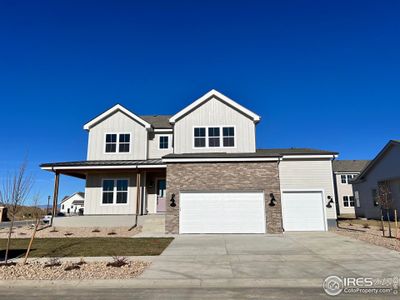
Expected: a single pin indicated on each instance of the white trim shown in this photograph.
(322, 191)
(311, 156)
(114, 192)
(222, 159)
(117, 107)
(169, 142)
(103, 167)
(221, 137)
(117, 143)
(223, 98)
(162, 130)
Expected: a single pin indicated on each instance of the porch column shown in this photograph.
(138, 179)
(55, 196)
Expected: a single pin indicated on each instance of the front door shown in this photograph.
(161, 200)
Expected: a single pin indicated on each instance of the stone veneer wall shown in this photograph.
(229, 176)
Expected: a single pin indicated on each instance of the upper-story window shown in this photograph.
(118, 143)
(164, 142)
(347, 178)
(211, 137)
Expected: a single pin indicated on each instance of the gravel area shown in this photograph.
(372, 235)
(90, 270)
(57, 232)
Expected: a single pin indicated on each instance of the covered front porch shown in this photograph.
(117, 193)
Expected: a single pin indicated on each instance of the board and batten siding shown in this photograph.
(94, 195)
(117, 123)
(154, 150)
(344, 189)
(309, 175)
(214, 113)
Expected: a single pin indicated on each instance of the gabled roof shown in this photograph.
(349, 165)
(219, 96)
(81, 194)
(112, 110)
(373, 162)
(158, 121)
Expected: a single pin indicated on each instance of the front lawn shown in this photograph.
(80, 247)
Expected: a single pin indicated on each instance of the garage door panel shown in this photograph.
(222, 213)
(303, 211)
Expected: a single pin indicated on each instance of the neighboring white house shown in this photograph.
(384, 168)
(199, 171)
(344, 171)
(73, 205)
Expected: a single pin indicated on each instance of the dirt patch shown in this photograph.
(69, 271)
(372, 235)
(57, 232)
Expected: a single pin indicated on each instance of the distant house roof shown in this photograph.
(279, 152)
(158, 121)
(78, 202)
(349, 165)
(77, 193)
(372, 163)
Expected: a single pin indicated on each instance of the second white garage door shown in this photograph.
(303, 211)
(222, 212)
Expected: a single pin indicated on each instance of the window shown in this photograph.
(62, 207)
(351, 201)
(108, 191)
(163, 142)
(229, 137)
(346, 201)
(343, 178)
(213, 137)
(123, 140)
(115, 189)
(199, 137)
(111, 143)
(122, 191)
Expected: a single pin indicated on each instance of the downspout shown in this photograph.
(138, 176)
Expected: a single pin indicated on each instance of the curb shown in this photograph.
(167, 283)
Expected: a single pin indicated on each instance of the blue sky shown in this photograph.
(322, 74)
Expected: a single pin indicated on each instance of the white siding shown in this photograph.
(309, 175)
(117, 123)
(214, 112)
(93, 195)
(154, 151)
(344, 189)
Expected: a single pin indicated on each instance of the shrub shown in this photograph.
(96, 230)
(350, 224)
(22, 233)
(118, 262)
(68, 233)
(112, 232)
(81, 262)
(54, 230)
(366, 225)
(74, 266)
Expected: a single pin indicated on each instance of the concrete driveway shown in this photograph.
(276, 260)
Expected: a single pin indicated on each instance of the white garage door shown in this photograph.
(303, 211)
(222, 213)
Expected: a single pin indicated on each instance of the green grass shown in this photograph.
(77, 247)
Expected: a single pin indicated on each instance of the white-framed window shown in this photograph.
(348, 201)
(115, 191)
(347, 178)
(117, 143)
(199, 137)
(163, 142)
(214, 137)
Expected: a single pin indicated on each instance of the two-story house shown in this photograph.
(201, 172)
(344, 171)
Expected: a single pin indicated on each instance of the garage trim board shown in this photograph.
(222, 212)
(304, 222)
